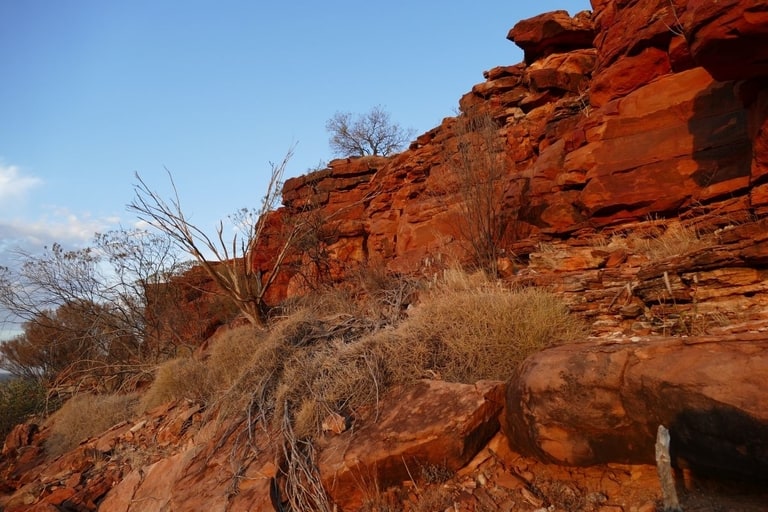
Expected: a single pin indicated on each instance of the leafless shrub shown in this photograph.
(435, 473)
(89, 305)
(480, 170)
(303, 485)
(230, 265)
(384, 294)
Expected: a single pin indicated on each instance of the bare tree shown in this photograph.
(372, 133)
(227, 262)
(480, 171)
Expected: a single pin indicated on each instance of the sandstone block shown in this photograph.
(595, 402)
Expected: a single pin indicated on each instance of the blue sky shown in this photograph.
(95, 90)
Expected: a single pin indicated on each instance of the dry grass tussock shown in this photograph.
(84, 416)
(661, 238)
(671, 240)
(485, 331)
(180, 378)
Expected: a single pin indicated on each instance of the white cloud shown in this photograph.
(59, 225)
(13, 184)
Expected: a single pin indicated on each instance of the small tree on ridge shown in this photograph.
(372, 133)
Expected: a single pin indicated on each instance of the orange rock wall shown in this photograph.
(608, 121)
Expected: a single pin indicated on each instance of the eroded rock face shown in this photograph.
(553, 32)
(729, 37)
(432, 423)
(598, 402)
(638, 110)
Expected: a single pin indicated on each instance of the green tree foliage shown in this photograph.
(19, 399)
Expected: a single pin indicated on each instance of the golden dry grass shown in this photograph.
(332, 354)
(231, 353)
(84, 416)
(180, 378)
(485, 332)
(310, 366)
(669, 239)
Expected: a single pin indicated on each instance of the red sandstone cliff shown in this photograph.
(610, 120)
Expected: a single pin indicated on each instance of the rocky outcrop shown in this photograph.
(554, 32)
(599, 402)
(172, 459)
(728, 37)
(594, 132)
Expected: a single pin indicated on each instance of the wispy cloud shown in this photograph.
(13, 183)
(59, 226)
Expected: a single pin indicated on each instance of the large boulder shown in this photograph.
(599, 402)
(552, 32)
(729, 37)
(432, 423)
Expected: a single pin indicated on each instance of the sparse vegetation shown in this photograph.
(485, 332)
(19, 400)
(670, 239)
(329, 356)
(90, 307)
(180, 378)
(229, 263)
(311, 367)
(480, 170)
(659, 238)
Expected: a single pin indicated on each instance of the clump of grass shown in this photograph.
(484, 333)
(231, 354)
(84, 416)
(466, 328)
(333, 355)
(180, 378)
(433, 497)
(663, 239)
